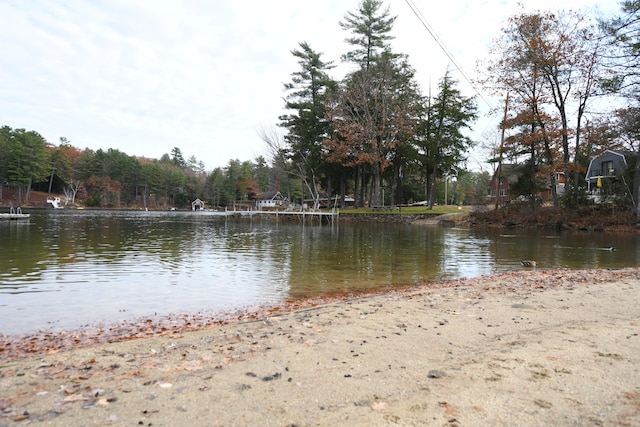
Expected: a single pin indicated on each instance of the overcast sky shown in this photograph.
(205, 75)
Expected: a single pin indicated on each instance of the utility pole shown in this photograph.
(499, 170)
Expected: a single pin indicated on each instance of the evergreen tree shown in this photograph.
(370, 28)
(374, 113)
(152, 178)
(306, 125)
(27, 161)
(5, 137)
(177, 158)
(441, 140)
(214, 188)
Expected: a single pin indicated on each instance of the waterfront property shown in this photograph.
(271, 200)
(606, 175)
(197, 205)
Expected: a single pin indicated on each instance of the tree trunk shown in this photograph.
(144, 197)
(636, 187)
(432, 190)
(376, 186)
(50, 182)
(28, 191)
(330, 203)
(363, 188)
(554, 192)
(398, 197)
(532, 182)
(356, 193)
(343, 190)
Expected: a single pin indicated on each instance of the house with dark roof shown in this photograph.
(606, 167)
(606, 174)
(271, 200)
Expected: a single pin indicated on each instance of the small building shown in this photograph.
(197, 205)
(271, 200)
(608, 166)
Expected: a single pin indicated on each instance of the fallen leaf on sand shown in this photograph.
(192, 365)
(449, 409)
(379, 406)
(73, 398)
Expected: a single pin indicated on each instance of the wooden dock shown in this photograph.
(301, 216)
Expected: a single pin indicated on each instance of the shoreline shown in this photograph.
(533, 347)
(49, 341)
(46, 341)
(584, 219)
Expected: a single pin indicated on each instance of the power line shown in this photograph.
(444, 48)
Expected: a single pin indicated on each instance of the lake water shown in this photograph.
(63, 269)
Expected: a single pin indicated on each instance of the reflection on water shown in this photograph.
(64, 269)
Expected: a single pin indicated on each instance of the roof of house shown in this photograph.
(620, 156)
(271, 195)
(507, 170)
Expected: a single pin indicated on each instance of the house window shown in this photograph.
(607, 168)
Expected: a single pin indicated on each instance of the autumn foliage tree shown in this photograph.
(373, 114)
(548, 64)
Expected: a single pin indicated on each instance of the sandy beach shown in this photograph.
(526, 348)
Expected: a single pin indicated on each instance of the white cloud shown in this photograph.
(144, 77)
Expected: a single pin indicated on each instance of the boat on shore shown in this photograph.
(14, 213)
(55, 202)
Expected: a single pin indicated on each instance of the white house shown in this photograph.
(271, 200)
(197, 205)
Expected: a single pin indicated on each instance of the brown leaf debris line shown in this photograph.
(43, 342)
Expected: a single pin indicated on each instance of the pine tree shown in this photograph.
(441, 140)
(370, 28)
(374, 113)
(306, 124)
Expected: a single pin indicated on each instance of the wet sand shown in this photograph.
(519, 348)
